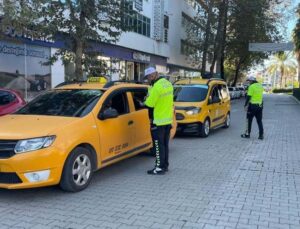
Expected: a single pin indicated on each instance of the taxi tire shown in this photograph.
(202, 133)
(66, 183)
(226, 125)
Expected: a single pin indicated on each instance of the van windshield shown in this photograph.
(190, 93)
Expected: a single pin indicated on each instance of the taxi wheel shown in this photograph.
(227, 121)
(204, 128)
(78, 170)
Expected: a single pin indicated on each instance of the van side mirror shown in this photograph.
(108, 114)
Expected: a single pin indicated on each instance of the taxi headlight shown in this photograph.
(194, 111)
(33, 144)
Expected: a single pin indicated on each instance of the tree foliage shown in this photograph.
(296, 38)
(75, 23)
(249, 21)
(233, 25)
(284, 64)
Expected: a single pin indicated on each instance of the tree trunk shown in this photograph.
(207, 36)
(237, 71)
(78, 60)
(224, 40)
(79, 46)
(218, 39)
(281, 77)
(299, 69)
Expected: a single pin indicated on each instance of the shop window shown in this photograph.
(27, 75)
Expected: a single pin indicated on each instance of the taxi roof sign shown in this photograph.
(98, 79)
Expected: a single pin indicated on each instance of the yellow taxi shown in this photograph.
(201, 105)
(67, 133)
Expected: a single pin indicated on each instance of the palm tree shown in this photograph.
(285, 64)
(296, 38)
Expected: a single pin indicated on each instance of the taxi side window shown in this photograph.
(214, 95)
(139, 97)
(224, 91)
(118, 102)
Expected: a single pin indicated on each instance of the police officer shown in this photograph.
(254, 107)
(160, 101)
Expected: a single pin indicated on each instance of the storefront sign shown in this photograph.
(11, 49)
(138, 5)
(141, 57)
(32, 35)
(158, 19)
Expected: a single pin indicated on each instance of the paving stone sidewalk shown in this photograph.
(219, 182)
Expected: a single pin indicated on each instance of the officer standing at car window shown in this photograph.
(254, 107)
(160, 101)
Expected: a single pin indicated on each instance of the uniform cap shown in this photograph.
(251, 78)
(149, 71)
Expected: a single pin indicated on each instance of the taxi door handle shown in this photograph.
(130, 122)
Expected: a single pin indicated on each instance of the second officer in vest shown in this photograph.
(160, 101)
(254, 107)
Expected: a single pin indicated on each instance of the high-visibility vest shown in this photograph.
(160, 97)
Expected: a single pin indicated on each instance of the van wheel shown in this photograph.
(227, 121)
(204, 128)
(78, 170)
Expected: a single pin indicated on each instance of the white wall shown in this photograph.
(142, 43)
(57, 71)
(174, 9)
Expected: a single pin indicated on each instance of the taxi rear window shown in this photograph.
(190, 93)
(63, 102)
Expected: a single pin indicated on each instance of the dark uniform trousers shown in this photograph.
(161, 137)
(255, 110)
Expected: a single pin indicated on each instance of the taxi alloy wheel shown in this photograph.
(78, 170)
(82, 170)
(204, 129)
(227, 121)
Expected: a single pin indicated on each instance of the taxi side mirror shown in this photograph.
(108, 114)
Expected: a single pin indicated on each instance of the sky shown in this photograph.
(293, 19)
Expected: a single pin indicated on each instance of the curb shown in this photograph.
(296, 100)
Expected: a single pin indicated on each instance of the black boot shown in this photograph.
(261, 137)
(245, 135)
(156, 171)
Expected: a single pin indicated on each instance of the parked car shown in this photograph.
(238, 93)
(201, 105)
(232, 93)
(242, 91)
(64, 135)
(10, 101)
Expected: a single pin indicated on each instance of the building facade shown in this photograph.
(157, 39)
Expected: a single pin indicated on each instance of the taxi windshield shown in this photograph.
(63, 102)
(190, 93)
